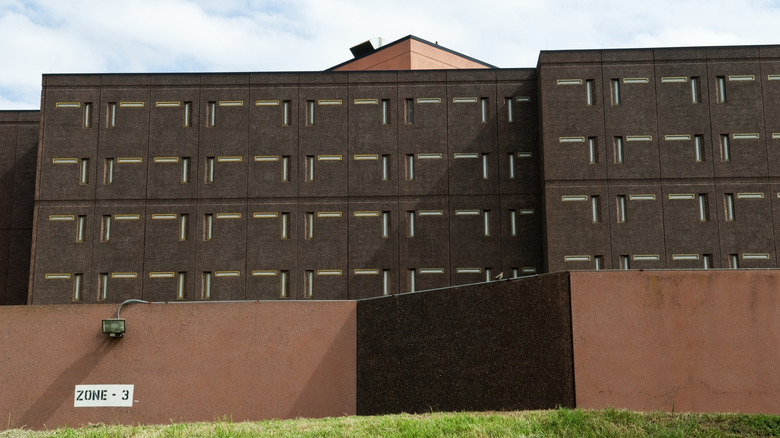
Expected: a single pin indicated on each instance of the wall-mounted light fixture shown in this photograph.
(115, 327)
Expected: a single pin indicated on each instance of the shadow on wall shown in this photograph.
(60, 391)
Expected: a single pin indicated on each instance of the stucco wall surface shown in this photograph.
(187, 362)
(696, 341)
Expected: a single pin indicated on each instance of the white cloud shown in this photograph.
(56, 36)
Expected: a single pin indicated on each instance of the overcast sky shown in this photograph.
(101, 36)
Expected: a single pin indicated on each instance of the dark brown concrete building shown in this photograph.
(661, 158)
(352, 183)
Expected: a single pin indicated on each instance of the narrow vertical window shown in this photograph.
(212, 114)
(595, 207)
(510, 117)
(624, 264)
(483, 103)
(725, 149)
(385, 167)
(734, 261)
(707, 261)
(77, 284)
(619, 150)
(310, 225)
(103, 286)
(105, 228)
(410, 216)
(615, 91)
(210, 170)
(589, 88)
(728, 201)
(511, 161)
(704, 208)
(183, 224)
(486, 222)
(621, 209)
(208, 226)
(484, 166)
(385, 224)
(285, 232)
(598, 262)
(187, 114)
(412, 280)
(285, 168)
(515, 272)
(88, 115)
(205, 292)
(84, 171)
(410, 167)
(593, 150)
(286, 113)
(181, 285)
(698, 144)
(308, 286)
(309, 112)
(385, 111)
(112, 114)
(284, 284)
(721, 89)
(80, 228)
(488, 274)
(695, 89)
(385, 282)
(309, 168)
(409, 111)
(513, 222)
(108, 171)
(185, 170)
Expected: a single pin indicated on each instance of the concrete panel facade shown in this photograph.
(258, 186)
(684, 129)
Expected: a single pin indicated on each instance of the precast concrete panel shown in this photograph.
(746, 236)
(223, 136)
(323, 229)
(472, 143)
(221, 250)
(574, 145)
(737, 118)
(273, 137)
(173, 140)
(272, 249)
(691, 217)
(636, 225)
(373, 248)
(578, 223)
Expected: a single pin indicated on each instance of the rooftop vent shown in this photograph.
(366, 47)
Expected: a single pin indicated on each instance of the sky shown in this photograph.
(147, 36)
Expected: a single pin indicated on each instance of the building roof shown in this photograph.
(408, 53)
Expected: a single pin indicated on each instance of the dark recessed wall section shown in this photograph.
(503, 345)
(18, 153)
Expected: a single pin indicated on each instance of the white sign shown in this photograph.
(103, 395)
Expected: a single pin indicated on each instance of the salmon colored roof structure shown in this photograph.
(409, 53)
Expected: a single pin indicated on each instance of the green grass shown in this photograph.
(554, 423)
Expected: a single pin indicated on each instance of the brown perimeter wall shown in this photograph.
(188, 362)
(696, 341)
